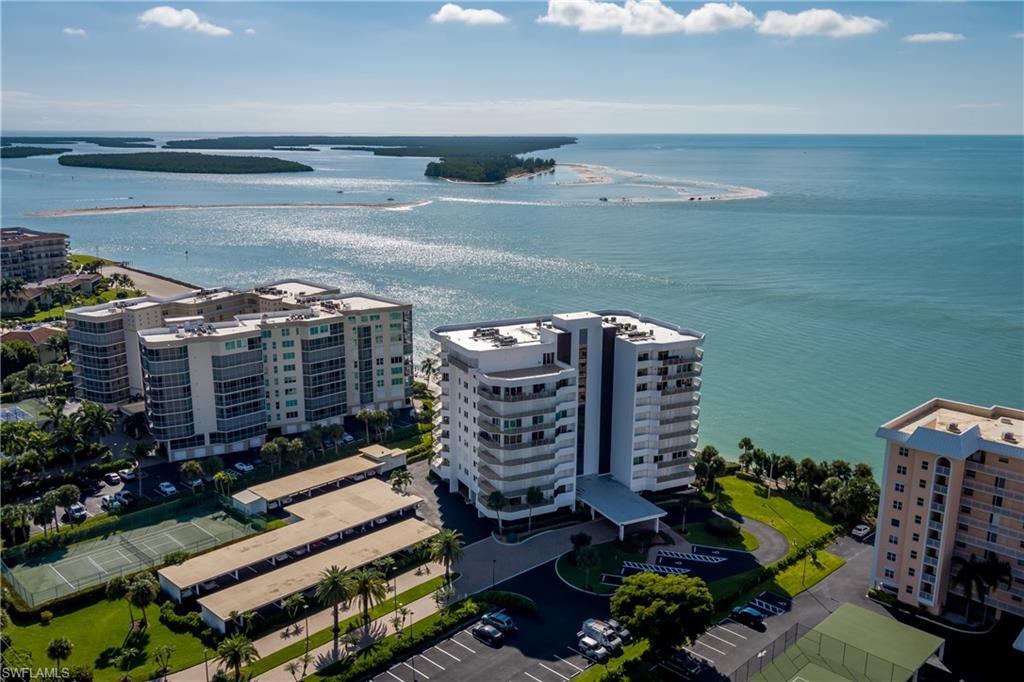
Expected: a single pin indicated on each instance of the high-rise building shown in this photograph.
(219, 370)
(536, 402)
(952, 493)
(30, 255)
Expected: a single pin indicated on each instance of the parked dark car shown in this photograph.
(500, 621)
(488, 634)
(748, 615)
(687, 665)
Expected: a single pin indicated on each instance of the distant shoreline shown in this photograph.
(109, 210)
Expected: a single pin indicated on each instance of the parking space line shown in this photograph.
(694, 653)
(710, 647)
(731, 632)
(447, 654)
(550, 670)
(532, 677)
(394, 676)
(720, 639)
(568, 663)
(431, 662)
(416, 672)
(455, 641)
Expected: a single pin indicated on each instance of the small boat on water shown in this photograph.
(603, 199)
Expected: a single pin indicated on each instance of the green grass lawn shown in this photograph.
(790, 582)
(57, 311)
(610, 558)
(83, 259)
(324, 636)
(798, 523)
(698, 535)
(96, 632)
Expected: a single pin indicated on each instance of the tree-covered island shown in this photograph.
(487, 169)
(184, 162)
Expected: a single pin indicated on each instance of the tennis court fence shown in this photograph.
(799, 646)
(142, 558)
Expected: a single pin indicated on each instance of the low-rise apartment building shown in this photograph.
(219, 369)
(536, 402)
(952, 489)
(30, 255)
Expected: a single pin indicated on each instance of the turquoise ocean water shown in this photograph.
(876, 273)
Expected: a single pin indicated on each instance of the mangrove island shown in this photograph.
(184, 162)
(486, 169)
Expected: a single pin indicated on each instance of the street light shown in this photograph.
(205, 666)
(494, 564)
(305, 613)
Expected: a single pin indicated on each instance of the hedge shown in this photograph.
(62, 388)
(189, 622)
(722, 527)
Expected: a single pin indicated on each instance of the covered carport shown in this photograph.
(617, 503)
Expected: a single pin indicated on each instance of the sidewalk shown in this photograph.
(318, 620)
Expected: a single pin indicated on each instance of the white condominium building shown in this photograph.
(536, 402)
(219, 369)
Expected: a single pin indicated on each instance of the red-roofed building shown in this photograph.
(36, 337)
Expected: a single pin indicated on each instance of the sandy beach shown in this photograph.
(589, 175)
(109, 210)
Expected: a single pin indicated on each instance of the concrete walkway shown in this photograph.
(151, 284)
(318, 620)
(488, 562)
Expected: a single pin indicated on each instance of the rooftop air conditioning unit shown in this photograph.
(1006, 420)
(954, 427)
(1009, 437)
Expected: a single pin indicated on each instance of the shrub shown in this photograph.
(722, 527)
(513, 601)
(45, 617)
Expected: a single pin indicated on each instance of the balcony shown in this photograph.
(938, 507)
(931, 560)
(939, 488)
(935, 525)
(515, 446)
(926, 598)
(942, 470)
(933, 543)
(515, 397)
(495, 460)
(926, 578)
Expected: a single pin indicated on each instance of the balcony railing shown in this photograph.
(930, 560)
(935, 525)
(516, 397)
(515, 446)
(942, 470)
(939, 488)
(926, 578)
(933, 543)
(938, 506)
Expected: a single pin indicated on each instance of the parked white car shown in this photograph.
(167, 488)
(861, 531)
(244, 467)
(76, 512)
(109, 502)
(126, 474)
(589, 647)
(603, 633)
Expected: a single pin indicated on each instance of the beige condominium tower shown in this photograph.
(953, 489)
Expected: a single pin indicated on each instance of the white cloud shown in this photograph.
(937, 37)
(646, 17)
(652, 17)
(186, 19)
(250, 31)
(69, 31)
(1019, 36)
(452, 13)
(817, 22)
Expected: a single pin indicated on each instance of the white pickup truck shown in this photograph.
(603, 633)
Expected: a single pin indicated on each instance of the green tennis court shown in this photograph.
(93, 562)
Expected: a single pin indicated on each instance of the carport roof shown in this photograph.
(309, 479)
(614, 501)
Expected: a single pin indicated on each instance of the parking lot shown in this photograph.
(463, 657)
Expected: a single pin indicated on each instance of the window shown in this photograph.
(893, 540)
(911, 572)
(288, 356)
(396, 370)
(924, 465)
(904, 452)
(549, 358)
(969, 473)
(538, 419)
(291, 415)
(889, 573)
(917, 519)
(909, 589)
(997, 500)
(378, 361)
(286, 332)
(380, 383)
(899, 487)
(289, 368)
(897, 505)
(890, 556)
(265, 333)
(397, 382)
(895, 523)
(901, 469)
(913, 554)
(288, 344)
(638, 460)
(916, 537)
(964, 509)
(920, 502)
(922, 483)
(291, 403)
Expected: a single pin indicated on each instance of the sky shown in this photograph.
(566, 66)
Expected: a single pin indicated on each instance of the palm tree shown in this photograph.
(52, 414)
(534, 497)
(235, 652)
(11, 287)
(271, 454)
(192, 473)
(370, 588)
(222, 481)
(43, 516)
(96, 420)
(142, 592)
(446, 548)
(293, 603)
(586, 558)
(295, 453)
(745, 444)
(117, 589)
(428, 368)
(58, 345)
(716, 467)
(969, 578)
(496, 502)
(51, 500)
(400, 480)
(333, 589)
(59, 650)
(365, 416)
